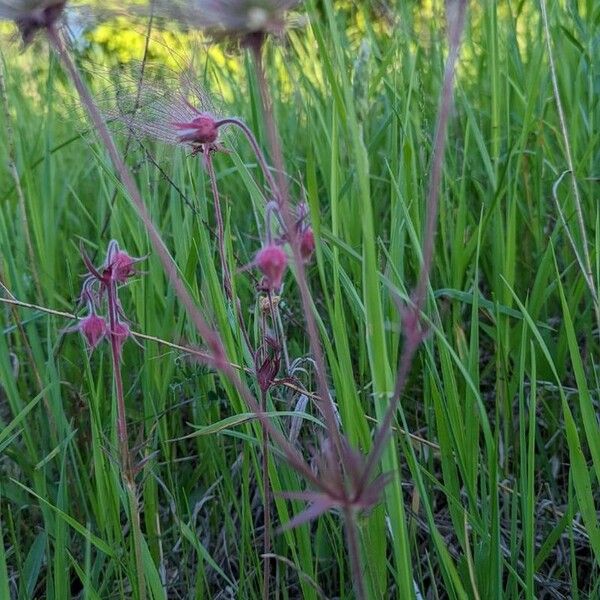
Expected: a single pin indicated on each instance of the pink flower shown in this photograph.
(121, 267)
(272, 261)
(307, 244)
(202, 129)
(118, 266)
(93, 329)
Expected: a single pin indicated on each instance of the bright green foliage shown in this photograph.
(495, 495)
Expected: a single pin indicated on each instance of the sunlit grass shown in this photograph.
(495, 447)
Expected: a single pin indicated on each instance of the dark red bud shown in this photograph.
(307, 244)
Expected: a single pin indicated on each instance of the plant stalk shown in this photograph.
(125, 455)
(354, 553)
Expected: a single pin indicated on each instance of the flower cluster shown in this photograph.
(99, 293)
(271, 260)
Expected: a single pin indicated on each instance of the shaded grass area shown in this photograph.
(494, 493)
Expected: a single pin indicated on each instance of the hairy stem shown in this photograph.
(125, 455)
(260, 157)
(115, 347)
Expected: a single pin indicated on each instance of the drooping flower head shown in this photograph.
(304, 231)
(307, 244)
(248, 21)
(119, 266)
(31, 15)
(271, 260)
(93, 328)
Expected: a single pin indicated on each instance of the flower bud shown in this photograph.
(200, 130)
(93, 329)
(272, 261)
(120, 333)
(121, 267)
(307, 244)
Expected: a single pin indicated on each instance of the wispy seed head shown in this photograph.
(168, 108)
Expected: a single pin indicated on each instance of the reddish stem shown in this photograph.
(125, 455)
(115, 346)
(262, 161)
(354, 553)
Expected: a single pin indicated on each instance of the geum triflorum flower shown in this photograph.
(100, 291)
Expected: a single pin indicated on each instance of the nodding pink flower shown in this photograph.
(31, 15)
(307, 244)
(272, 262)
(118, 266)
(202, 129)
(121, 267)
(93, 328)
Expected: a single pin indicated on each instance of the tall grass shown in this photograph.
(494, 451)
